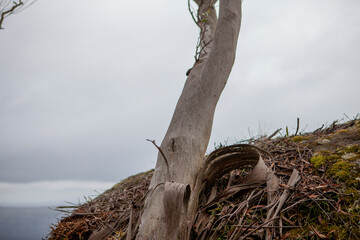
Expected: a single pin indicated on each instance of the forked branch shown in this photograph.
(15, 8)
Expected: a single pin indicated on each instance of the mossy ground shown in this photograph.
(342, 166)
(334, 212)
(327, 198)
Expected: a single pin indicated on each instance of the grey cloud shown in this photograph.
(83, 86)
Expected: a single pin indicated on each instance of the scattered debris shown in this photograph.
(108, 215)
(312, 193)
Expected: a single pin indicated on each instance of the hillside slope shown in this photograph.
(317, 195)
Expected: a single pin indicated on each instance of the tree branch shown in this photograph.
(192, 13)
(162, 154)
(206, 20)
(9, 12)
(16, 8)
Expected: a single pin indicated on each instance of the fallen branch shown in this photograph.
(276, 132)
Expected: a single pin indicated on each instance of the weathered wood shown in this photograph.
(189, 131)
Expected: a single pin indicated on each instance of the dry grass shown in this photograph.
(322, 205)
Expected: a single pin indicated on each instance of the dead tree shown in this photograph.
(172, 200)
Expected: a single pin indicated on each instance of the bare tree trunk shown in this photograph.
(187, 138)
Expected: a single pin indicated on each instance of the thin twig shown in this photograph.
(297, 126)
(162, 154)
(19, 10)
(248, 226)
(192, 13)
(276, 132)
(259, 227)
(317, 130)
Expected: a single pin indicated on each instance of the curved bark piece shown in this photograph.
(176, 198)
(230, 158)
(224, 160)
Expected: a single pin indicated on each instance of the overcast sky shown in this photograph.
(83, 84)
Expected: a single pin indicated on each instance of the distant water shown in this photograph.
(26, 223)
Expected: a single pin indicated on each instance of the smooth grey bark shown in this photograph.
(187, 137)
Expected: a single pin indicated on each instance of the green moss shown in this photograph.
(342, 131)
(341, 165)
(318, 161)
(299, 139)
(340, 170)
(357, 123)
(353, 183)
(323, 158)
(355, 208)
(330, 228)
(351, 149)
(295, 233)
(339, 227)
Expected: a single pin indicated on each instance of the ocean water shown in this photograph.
(26, 223)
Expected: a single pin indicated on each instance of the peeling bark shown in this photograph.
(176, 198)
